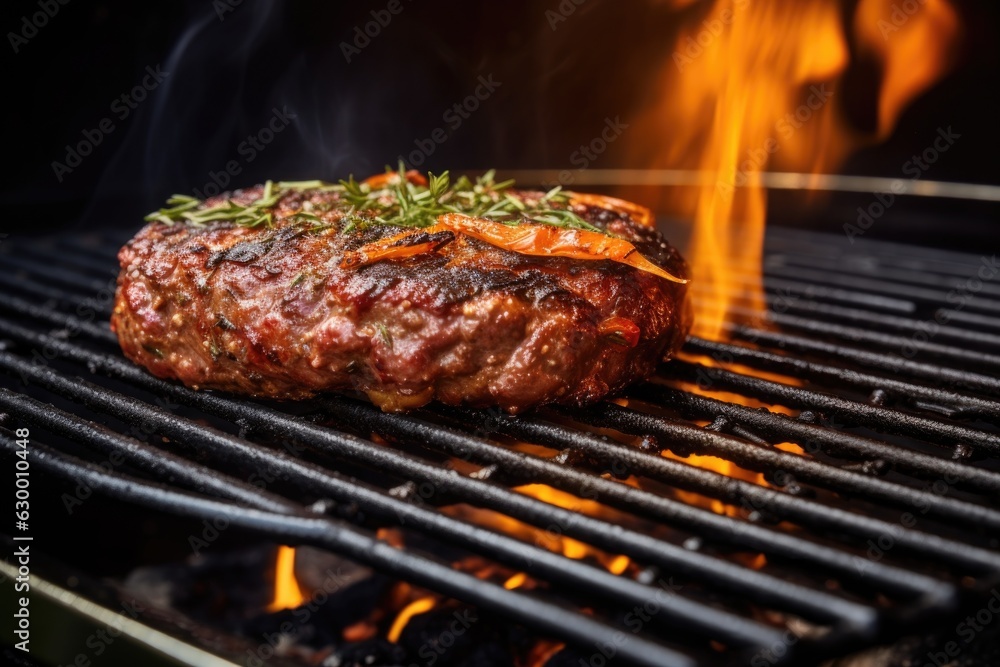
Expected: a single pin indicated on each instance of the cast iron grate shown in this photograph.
(880, 361)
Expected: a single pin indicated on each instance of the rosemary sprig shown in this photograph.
(255, 214)
(395, 202)
(404, 204)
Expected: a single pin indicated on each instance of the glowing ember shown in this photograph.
(751, 85)
(553, 539)
(415, 608)
(287, 594)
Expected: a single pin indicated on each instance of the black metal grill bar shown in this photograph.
(784, 243)
(159, 462)
(782, 292)
(863, 283)
(979, 560)
(535, 561)
(778, 428)
(887, 270)
(894, 323)
(341, 538)
(85, 262)
(851, 413)
(876, 301)
(978, 360)
(73, 325)
(736, 492)
(704, 522)
(971, 319)
(272, 422)
(955, 405)
(897, 364)
(906, 333)
(56, 274)
(22, 284)
(712, 571)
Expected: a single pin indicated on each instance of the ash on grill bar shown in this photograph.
(813, 478)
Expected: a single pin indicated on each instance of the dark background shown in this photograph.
(229, 65)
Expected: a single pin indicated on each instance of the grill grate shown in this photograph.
(887, 402)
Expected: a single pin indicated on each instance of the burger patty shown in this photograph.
(274, 311)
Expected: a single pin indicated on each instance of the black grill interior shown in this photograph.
(879, 360)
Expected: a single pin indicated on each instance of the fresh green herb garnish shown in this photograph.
(396, 203)
(404, 204)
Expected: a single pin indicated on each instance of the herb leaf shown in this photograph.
(393, 201)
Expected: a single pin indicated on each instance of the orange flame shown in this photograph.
(912, 42)
(287, 594)
(415, 608)
(551, 539)
(754, 84)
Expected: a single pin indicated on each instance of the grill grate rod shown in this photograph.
(892, 342)
(896, 364)
(639, 502)
(323, 532)
(158, 462)
(883, 285)
(870, 320)
(957, 404)
(780, 428)
(850, 413)
(899, 270)
(56, 274)
(710, 570)
(520, 555)
(785, 294)
(737, 492)
(785, 241)
(72, 325)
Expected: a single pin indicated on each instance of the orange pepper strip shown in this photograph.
(546, 240)
(395, 247)
(527, 239)
(640, 214)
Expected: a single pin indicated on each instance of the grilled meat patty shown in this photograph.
(269, 311)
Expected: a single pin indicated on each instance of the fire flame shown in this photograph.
(287, 594)
(754, 84)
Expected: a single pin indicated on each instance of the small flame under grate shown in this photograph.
(682, 524)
